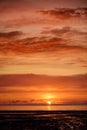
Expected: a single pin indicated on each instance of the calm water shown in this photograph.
(43, 107)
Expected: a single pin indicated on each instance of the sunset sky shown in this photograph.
(43, 51)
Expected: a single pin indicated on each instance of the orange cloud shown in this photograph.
(64, 30)
(35, 45)
(9, 35)
(66, 13)
(31, 80)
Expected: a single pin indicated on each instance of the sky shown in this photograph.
(43, 51)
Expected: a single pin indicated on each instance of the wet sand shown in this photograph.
(43, 120)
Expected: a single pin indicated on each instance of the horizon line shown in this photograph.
(40, 104)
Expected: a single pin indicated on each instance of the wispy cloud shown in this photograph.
(37, 44)
(66, 13)
(9, 35)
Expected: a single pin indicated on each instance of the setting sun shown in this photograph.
(49, 102)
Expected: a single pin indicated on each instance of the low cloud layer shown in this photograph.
(78, 81)
(31, 88)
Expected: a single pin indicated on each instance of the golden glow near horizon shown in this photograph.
(48, 96)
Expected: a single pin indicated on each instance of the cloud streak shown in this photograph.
(9, 35)
(37, 44)
(66, 13)
(77, 81)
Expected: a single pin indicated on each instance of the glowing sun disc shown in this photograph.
(49, 102)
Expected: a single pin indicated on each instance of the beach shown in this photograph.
(43, 120)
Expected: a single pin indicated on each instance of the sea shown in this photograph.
(43, 107)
